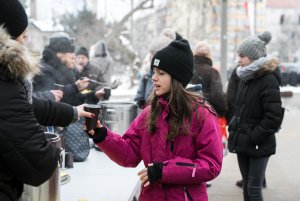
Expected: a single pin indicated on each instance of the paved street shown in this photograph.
(283, 172)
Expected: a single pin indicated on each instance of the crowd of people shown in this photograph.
(177, 135)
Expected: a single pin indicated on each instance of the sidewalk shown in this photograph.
(283, 171)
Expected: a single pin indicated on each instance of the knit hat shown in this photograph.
(83, 51)
(202, 49)
(176, 59)
(254, 47)
(61, 42)
(13, 17)
(165, 38)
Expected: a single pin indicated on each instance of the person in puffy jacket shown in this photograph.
(25, 155)
(176, 136)
(257, 115)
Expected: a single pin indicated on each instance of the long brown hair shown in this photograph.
(181, 104)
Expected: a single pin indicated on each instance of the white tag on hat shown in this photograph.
(156, 62)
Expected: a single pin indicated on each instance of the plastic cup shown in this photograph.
(91, 123)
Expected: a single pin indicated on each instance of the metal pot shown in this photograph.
(50, 189)
(117, 116)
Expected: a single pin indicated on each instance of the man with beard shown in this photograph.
(57, 66)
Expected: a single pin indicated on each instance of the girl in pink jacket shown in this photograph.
(176, 136)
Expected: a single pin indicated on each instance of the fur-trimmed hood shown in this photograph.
(270, 66)
(16, 61)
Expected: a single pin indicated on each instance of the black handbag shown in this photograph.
(76, 141)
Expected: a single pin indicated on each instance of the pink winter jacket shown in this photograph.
(189, 161)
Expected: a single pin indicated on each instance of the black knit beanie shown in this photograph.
(13, 17)
(62, 45)
(83, 51)
(176, 59)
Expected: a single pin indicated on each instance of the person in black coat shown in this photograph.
(231, 93)
(57, 70)
(209, 77)
(26, 157)
(258, 113)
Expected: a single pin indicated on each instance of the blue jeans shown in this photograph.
(253, 173)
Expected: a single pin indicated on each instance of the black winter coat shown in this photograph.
(25, 155)
(258, 114)
(231, 93)
(211, 82)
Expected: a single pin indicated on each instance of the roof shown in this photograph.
(46, 26)
(283, 4)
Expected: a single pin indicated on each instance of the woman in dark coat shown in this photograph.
(258, 114)
(25, 155)
(209, 77)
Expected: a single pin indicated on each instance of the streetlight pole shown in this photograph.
(224, 43)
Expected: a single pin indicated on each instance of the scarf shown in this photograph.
(247, 72)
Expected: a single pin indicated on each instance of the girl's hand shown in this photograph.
(144, 176)
(92, 132)
(98, 134)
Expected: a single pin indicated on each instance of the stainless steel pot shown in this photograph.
(49, 190)
(117, 116)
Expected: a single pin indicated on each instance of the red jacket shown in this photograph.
(189, 161)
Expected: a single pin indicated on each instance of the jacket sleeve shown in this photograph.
(217, 96)
(71, 95)
(140, 94)
(208, 159)
(44, 95)
(25, 152)
(50, 113)
(231, 94)
(272, 117)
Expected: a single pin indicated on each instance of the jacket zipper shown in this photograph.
(187, 195)
(189, 165)
(172, 145)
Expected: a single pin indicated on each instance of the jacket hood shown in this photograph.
(16, 61)
(270, 66)
(99, 50)
(202, 60)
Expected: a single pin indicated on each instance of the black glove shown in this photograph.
(154, 172)
(99, 135)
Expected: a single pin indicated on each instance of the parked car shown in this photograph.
(290, 74)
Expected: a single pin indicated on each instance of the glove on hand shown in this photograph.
(154, 172)
(99, 135)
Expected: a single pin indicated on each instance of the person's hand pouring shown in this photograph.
(82, 113)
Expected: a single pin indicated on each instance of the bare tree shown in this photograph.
(113, 35)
